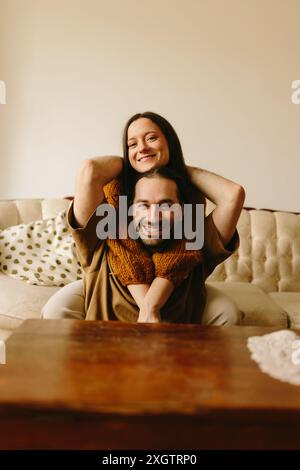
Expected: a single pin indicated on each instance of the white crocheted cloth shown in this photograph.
(278, 354)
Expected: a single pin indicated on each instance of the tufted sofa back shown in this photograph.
(269, 252)
(268, 256)
(23, 211)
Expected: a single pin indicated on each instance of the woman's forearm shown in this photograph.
(216, 188)
(158, 293)
(138, 292)
(155, 295)
(150, 299)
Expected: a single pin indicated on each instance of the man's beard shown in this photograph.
(161, 243)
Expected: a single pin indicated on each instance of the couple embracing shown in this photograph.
(149, 278)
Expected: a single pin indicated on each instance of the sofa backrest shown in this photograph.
(269, 252)
(23, 211)
(268, 256)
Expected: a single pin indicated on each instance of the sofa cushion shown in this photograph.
(290, 301)
(257, 307)
(19, 301)
(40, 253)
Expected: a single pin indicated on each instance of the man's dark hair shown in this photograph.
(164, 172)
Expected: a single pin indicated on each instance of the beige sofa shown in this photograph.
(262, 277)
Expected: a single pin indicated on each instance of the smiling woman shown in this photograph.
(150, 141)
(147, 145)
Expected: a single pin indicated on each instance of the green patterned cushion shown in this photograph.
(40, 253)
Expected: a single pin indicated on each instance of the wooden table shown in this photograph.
(110, 385)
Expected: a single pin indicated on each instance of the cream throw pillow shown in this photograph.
(40, 253)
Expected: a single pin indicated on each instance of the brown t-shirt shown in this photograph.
(107, 299)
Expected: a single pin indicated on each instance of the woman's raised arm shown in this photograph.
(228, 197)
(92, 175)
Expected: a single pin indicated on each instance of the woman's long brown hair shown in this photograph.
(176, 161)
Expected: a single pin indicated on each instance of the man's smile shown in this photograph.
(151, 230)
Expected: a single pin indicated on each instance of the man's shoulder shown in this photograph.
(89, 246)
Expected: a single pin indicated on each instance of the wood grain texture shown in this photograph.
(112, 385)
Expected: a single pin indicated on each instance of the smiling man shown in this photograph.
(156, 207)
(107, 299)
(159, 214)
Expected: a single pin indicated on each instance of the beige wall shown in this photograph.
(219, 70)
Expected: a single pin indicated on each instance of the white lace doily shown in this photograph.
(277, 354)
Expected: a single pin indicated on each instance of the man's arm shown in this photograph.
(228, 197)
(92, 175)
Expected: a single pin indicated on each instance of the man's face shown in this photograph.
(152, 209)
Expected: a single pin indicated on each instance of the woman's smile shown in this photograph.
(146, 158)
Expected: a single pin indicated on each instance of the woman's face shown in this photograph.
(147, 145)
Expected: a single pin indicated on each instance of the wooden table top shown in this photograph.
(114, 367)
